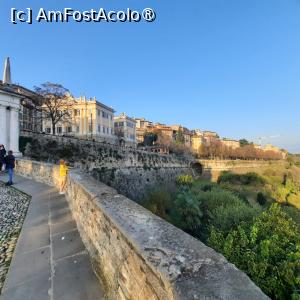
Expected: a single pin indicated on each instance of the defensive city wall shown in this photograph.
(137, 255)
(211, 169)
(130, 171)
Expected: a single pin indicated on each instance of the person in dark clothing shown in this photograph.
(10, 165)
(2, 156)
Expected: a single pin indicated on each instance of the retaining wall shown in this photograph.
(136, 254)
(213, 168)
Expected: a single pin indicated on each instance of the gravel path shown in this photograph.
(13, 208)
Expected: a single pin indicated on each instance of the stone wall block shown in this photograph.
(136, 254)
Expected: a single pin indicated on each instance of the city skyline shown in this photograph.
(230, 68)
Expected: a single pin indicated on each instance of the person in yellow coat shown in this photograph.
(63, 171)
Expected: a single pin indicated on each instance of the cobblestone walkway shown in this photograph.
(13, 208)
(50, 261)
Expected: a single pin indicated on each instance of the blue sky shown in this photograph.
(229, 66)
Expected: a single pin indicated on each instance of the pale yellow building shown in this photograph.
(125, 129)
(270, 147)
(142, 126)
(275, 149)
(257, 146)
(87, 118)
(210, 137)
(197, 140)
(187, 134)
(233, 144)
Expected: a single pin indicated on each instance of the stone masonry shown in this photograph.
(136, 254)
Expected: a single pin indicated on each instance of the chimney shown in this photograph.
(6, 73)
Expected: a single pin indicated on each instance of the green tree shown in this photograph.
(268, 251)
(243, 142)
(179, 137)
(188, 214)
(159, 202)
(150, 138)
(261, 198)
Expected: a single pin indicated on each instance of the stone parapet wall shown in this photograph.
(213, 168)
(136, 254)
(136, 183)
(88, 155)
(132, 172)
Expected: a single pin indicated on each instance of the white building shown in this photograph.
(9, 113)
(125, 129)
(87, 119)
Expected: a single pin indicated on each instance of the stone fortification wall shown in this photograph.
(211, 169)
(132, 172)
(136, 254)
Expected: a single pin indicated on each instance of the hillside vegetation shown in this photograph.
(253, 219)
(278, 182)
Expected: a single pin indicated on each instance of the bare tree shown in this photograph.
(56, 105)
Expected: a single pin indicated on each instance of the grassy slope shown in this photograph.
(274, 189)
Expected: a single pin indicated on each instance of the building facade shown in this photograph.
(87, 119)
(197, 140)
(142, 126)
(180, 132)
(17, 111)
(30, 112)
(233, 144)
(10, 104)
(270, 147)
(30, 116)
(125, 129)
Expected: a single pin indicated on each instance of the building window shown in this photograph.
(99, 128)
(76, 112)
(77, 129)
(104, 114)
(90, 128)
(103, 129)
(98, 112)
(48, 130)
(59, 129)
(107, 130)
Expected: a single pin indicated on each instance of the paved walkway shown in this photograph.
(50, 261)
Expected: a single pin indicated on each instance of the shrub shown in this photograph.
(216, 198)
(185, 180)
(261, 199)
(188, 214)
(159, 202)
(23, 142)
(226, 218)
(248, 178)
(224, 210)
(293, 213)
(203, 186)
(268, 251)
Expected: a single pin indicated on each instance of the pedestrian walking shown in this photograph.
(63, 171)
(2, 157)
(10, 165)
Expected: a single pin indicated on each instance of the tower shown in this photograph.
(6, 72)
